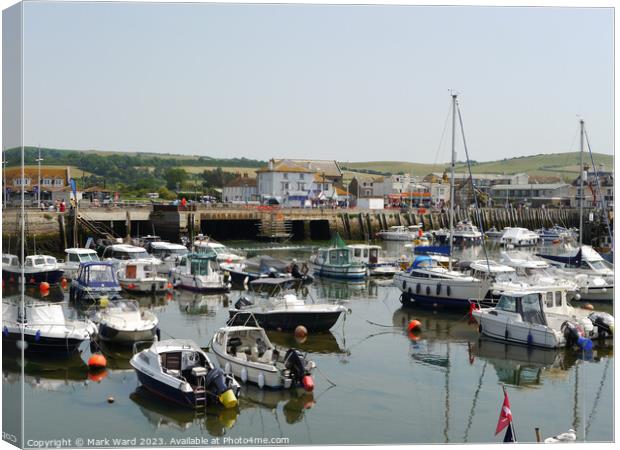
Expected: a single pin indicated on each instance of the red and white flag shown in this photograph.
(505, 416)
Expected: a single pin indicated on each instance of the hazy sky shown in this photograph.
(346, 82)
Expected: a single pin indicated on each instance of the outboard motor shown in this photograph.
(243, 302)
(295, 362)
(604, 322)
(573, 333)
(217, 383)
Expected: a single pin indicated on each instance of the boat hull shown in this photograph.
(144, 287)
(165, 391)
(12, 343)
(595, 294)
(272, 378)
(286, 320)
(114, 335)
(33, 278)
(341, 272)
(423, 293)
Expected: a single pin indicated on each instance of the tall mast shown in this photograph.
(581, 193)
(452, 178)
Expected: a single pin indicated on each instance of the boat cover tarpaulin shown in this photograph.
(432, 250)
(569, 260)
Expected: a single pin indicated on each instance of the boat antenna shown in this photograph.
(581, 193)
(453, 158)
(473, 188)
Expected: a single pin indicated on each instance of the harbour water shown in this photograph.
(375, 383)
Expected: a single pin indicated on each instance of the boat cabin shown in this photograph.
(123, 252)
(163, 250)
(139, 270)
(100, 274)
(179, 358)
(80, 255)
(39, 261)
(492, 271)
(246, 343)
(198, 264)
(335, 256)
(528, 305)
(367, 254)
(10, 260)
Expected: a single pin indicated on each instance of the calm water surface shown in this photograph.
(443, 387)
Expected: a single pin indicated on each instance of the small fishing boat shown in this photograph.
(259, 267)
(94, 281)
(181, 372)
(494, 234)
(247, 353)
(370, 256)
(398, 233)
(169, 254)
(41, 327)
(139, 276)
(466, 233)
(224, 254)
(543, 319)
(123, 322)
(74, 257)
(519, 237)
(285, 312)
(121, 253)
(336, 261)
(200, 272)
(36, 269)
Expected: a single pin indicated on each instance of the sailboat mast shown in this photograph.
(581, 193)
(451, 237)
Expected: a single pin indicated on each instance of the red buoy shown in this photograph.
(308, 383)
(131, 286)
(97, 376)
(63, 283)
(414, 325)
(97, 361)
(44, 286)
(169, 285)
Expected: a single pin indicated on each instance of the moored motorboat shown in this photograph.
(74, 257)
(169, 254)
(200, 272)
(36, 269)
(397, 233)
(94, 281)
(205, 245)
(123, 322)
(519, 237)
(181, 372)
(139, 276)
(336, 261)
(285, 312)
(247, 353)
(466, 233)
(41, 327)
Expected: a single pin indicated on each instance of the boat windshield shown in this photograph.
(531, 310)
(600, 265)
(165, 252)
(507, 303)
(339, 256)
(88, 257)
(100, 274)
(202, 266)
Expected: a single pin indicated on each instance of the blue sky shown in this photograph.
(347, 82)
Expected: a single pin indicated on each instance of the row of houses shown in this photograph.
(299, 183)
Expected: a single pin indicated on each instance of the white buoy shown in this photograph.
(261, 380)
(227, 368)
(244, 375)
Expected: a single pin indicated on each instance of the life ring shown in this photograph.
(438, 289)
(417, 288)
(428, 290)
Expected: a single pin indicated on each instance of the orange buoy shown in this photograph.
(63, 283)
(131, 286)
(588, 306)
(97, 361)
(44, 287)
(413, 336)
(97, 376)
(301, 331)
(169, 285)
(414, 325)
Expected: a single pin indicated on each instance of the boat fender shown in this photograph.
(417, 288)
(428, 290)
(244, 375)
(227, 367)
(153, 288)
(261, 380)
(530, 339)
(37, 336)
(438, 289)
(405, 285)
(584, 344)
(5, 331)
(158, 334)
(448, 290)
(506, 334)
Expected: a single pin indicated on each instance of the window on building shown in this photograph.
(58, 182)
(301, 176)
(285, 176)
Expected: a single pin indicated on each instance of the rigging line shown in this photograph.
(598, 186)
(597, 397)
(447, 402)
(471, 179)
(443, 133)
(473, 406)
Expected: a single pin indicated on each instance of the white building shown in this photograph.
(240, 189)
(288, 183)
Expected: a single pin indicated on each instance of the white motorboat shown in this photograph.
(119, 254)
(542, 318)
(426, 282)
(73, 258)
(494, 234)
(285, 312)
(519, 237)
(370, 255)
(466, 233)
(169, 254)
(44, 327)
(200, 272)
(181, 372)
(397, 233)
(36, 269)
(139, 276)
(224, 254)
(123, 322)
(336, 261)
(248, 354)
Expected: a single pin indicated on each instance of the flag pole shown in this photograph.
(510, 424)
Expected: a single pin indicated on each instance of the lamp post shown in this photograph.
(39, 159)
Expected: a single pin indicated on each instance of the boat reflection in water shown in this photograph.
(324, 343)
(49, 374)
(333, 289)
(295, 402)
(202, 304)
(155, 302)
(442, 326)
(214, 419)
(55, 294)
(523, 366)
